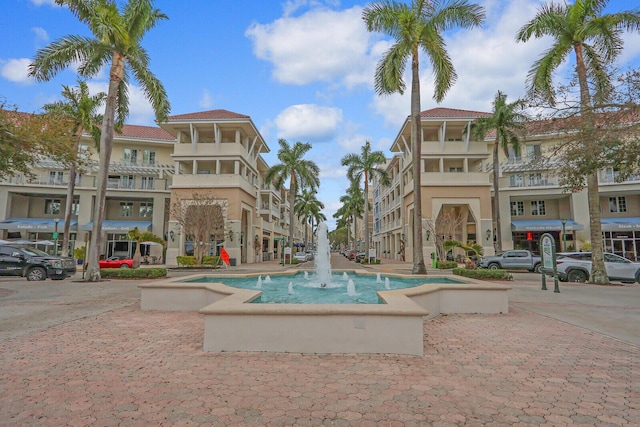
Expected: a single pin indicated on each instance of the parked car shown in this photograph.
(34, 264)
(576, 267)
(516, 259)
(310, 256)
(300, 256)
(351, 255)
(116, 262)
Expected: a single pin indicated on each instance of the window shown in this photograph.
(146, 210)
(617, 204)
(535, 179)
(455, 169)
(517, 208)
(516, 180)
(52, 206)
(131, 156)
(533, 152)
(513, 157)
(127, 181)
(147, 183)
(148, 158)
(538, 208)
(55, 177)
(75, 207)
(126, 209)
(83, 152)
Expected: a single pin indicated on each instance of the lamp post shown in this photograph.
(564, 235)
(55, 235)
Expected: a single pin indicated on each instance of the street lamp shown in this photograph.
(55, 235)
(564, 235)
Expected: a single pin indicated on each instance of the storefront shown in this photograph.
(527, 233)
(622, 237)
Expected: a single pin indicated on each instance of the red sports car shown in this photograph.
(116, 262)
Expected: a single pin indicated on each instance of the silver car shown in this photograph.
(576, 267)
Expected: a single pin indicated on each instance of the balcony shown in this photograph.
(212, 181)
(209, 150)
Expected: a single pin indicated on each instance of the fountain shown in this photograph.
(267, 279)
(323, 258)
(393, 323)
(378, 278)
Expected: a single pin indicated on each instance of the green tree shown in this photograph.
(417, 27)
(508, 121)
(596, 40)
(308, 208)
(80, 111)
(352, 208)
(138, 236)
(299, 172)
(368, 165)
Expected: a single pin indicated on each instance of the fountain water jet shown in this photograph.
(322, 261)
(267, 279)
(386, 283)
(378, 278)
(259, 284)
(345, 276)
(351, 288)
(291, 288)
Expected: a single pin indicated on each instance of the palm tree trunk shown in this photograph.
(416, 149)
(496, 199)
(598, 269)
(106, 146)
(68, 210)
(366, 215)
(292, 195)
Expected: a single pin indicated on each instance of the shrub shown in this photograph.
(444, 265)
(210, 260)
(470, 265)
(133, 273)
(186, 260)
(366, 261)
(483, 274)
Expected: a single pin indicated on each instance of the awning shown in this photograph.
(119, 226)
(617, 224)
(35, 224)
(544, 225)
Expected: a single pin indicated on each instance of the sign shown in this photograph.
(55, 235)
(372, 253)
(547, 251)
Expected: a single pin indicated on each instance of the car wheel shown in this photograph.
(36, 273)
(577, 276)
(537, 268)
(493, 266)
(124, 265)
(638, 276)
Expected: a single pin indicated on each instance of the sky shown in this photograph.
(303, 70)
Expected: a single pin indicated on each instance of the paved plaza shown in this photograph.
(76, 354)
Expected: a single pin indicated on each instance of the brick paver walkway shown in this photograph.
(128, 367)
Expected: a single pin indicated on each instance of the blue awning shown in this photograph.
(35, 224)
(544, 225)
(119, 226)
(620, 224)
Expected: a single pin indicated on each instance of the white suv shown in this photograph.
(576, 267)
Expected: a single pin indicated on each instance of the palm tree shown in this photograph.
(352, 207)
(596, 40)
(301, 173)
(366, 165)
(116, 43)
(508, 122)
(80, 110)
(418, 27)
(308, 208)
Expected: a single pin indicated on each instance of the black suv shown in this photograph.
(34, 264)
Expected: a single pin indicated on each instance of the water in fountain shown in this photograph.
(259, 284)
(386, 283)
(267, 279)
(322, 260)
(306, 275)
(345, 276)
(291, 288)
(351, 288)
(378, 279)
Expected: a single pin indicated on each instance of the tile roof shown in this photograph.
(209, 115)
(146, 132)
(452, 113)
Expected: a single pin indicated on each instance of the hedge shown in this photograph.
(483, 274)
(132, 273)
(445, 265)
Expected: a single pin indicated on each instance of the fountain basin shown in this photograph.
(397, 326)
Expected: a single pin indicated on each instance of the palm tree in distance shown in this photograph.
(80, 110)
(508, 122)
(352, 208)
(367, 166)
(299, 172)
(308, 208)
(418, 27)
(596, 40)
(116, 45)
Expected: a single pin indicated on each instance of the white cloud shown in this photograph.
(140, 110)
(308, 122)
(44, 2)
(206, 101)
(320, 45)
(16, 70)
(41, 34)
